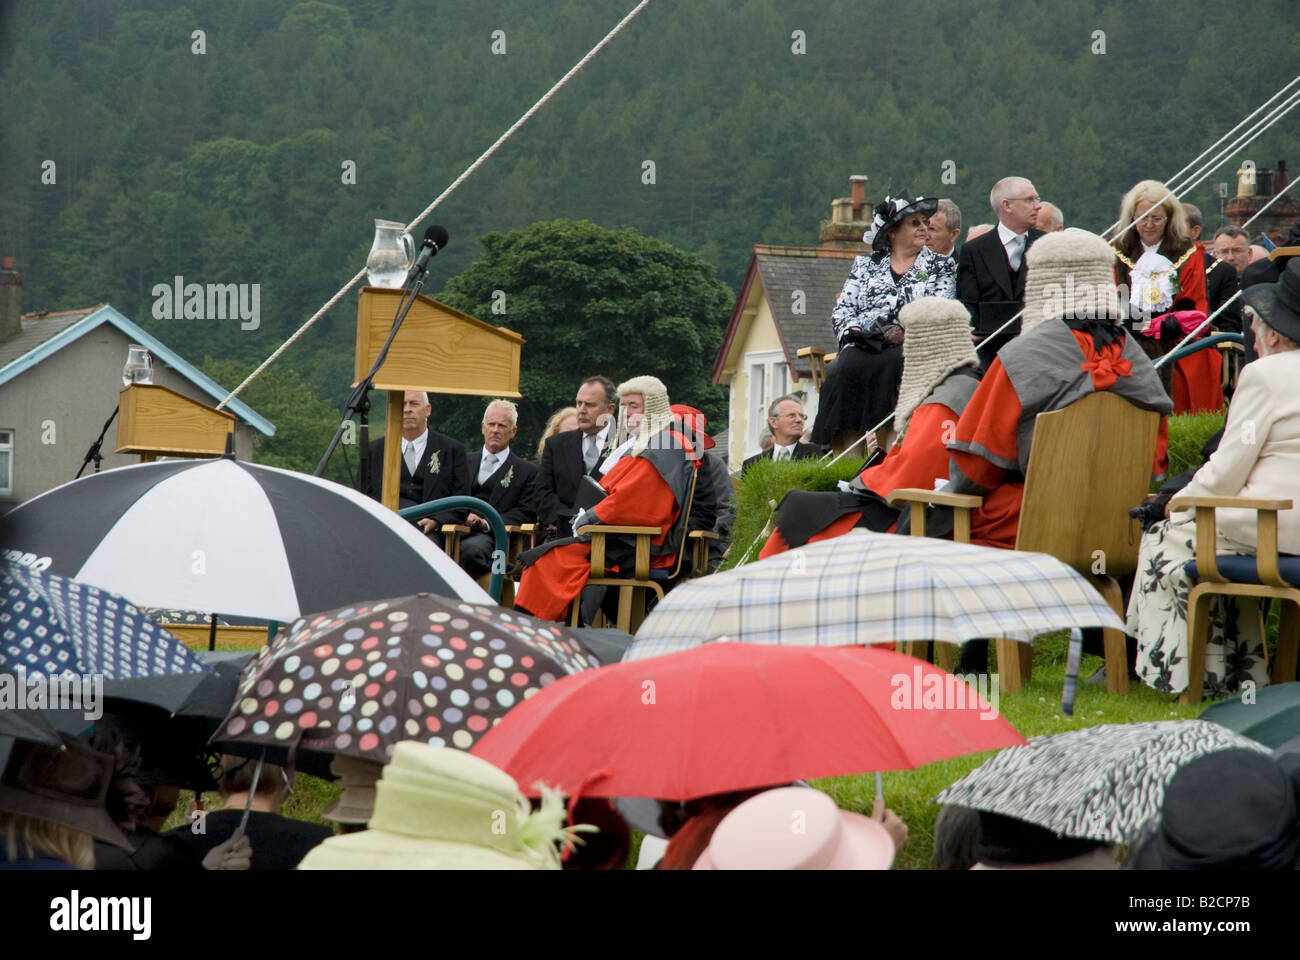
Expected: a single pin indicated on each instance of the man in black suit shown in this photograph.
(991, 268)
(1221, 280)
(573, 454)
(433, 466)
(503, 479)
(785, 418)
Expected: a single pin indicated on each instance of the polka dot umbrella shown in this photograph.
(358, 679)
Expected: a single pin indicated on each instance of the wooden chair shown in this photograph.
(945, 654)
(521, 537)
(451, 534)
(643, 579)
(1264, 576)
(1090, 462)
(699, 540)
(817, 360)
(1232, 354)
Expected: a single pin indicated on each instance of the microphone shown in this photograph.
(435, 238)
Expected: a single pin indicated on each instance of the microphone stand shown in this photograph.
(93, 453)
(359, 401)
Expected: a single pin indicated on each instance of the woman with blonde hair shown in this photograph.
(53, 806)
(566, 418)
(1160, 267)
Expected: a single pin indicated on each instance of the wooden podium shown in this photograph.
(437, 350)
(156, 421)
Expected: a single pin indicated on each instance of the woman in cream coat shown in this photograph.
(1259, 456)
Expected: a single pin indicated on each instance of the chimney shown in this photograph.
(1281, 179)
(858, 188)
(11, 301)
(850, 217)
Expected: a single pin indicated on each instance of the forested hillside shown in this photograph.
(231, 165)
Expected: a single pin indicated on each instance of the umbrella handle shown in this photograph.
(1072, 671)
(880, 790)
(252, 791)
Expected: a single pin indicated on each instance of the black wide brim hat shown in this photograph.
(894, 210)
(1278, 304)
(66, 785)
(1228, 810)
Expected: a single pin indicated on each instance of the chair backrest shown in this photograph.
(1090, 462)
(681, 526)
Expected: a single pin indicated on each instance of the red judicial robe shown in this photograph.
(917, 461)
(1198, 379)
(638, 496)
(1036, 373)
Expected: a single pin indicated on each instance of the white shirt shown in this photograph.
(418, 443)
(1148, 247)
(616, 455)
(1006, 236)
(494, 459)
(789, 455)
(601, 439)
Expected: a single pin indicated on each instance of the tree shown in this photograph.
(304, 423)
(589, 300)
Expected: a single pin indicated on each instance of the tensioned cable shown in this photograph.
(1198, 158)
(1192, 181)
(442, 196)
(1278, 112)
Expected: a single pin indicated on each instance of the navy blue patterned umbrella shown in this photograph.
(59, 628)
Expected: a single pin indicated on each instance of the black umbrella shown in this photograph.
(38, 726)
(230, 538)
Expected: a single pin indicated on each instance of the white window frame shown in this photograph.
(769, 378)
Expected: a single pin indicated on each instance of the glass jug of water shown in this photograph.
(139, 366)
(391, 255)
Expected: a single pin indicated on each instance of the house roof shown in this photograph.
(819, 272)
(46, 334)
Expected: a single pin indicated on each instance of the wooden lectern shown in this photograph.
(438, 350)
(156, 421)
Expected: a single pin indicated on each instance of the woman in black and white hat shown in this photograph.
(862, 383)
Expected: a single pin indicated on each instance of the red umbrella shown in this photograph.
(731, 716)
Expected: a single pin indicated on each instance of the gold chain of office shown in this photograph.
(1153, 293)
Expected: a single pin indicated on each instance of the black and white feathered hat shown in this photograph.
(894, 209)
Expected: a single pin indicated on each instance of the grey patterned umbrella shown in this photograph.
(1101, 783)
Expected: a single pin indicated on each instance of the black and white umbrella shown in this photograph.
(1101, 783)
(230, 538)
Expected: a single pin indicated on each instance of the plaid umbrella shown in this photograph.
(357, 680)
(1101, 783)
(876, 588)
(58, 627)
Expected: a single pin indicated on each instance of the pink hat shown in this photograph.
(796, 828)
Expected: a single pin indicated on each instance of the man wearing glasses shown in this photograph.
(991, 268)
(785, 418)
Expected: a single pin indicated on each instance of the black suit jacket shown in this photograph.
(802, 451)
(559, 474)
(515, 500)
(1220, 284)
(985, 284)
(451, 478)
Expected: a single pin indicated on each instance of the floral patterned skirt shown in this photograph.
(1157, 617)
